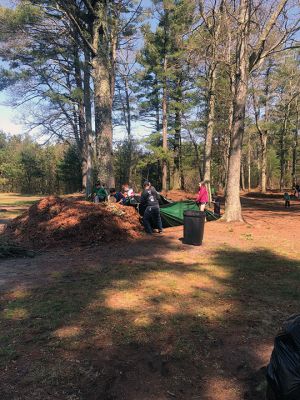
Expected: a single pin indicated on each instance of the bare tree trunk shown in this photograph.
(213, 25)
(263, 178)
(129, 135)
(103, 73)
(283, 148)
(80, 116)
(178, 178)
(195, 145)
(182, 180)
(227, 139)
(157, 106)
(103, 121)
(242, 176)
(264, 136)
(128, 110)
(264, 133)
(176, 171)
(249, 164)
(88, 125)
(165, 127)
(295, 145)
(210, 124)
(233, 211)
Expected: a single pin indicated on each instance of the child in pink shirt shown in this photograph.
(202, 197)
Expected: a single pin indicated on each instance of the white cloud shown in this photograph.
(8, 121)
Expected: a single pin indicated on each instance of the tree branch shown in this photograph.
(79, 29)
(256, 55)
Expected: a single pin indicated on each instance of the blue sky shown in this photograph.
(9, 117)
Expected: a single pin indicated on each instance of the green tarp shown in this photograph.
(172, 214)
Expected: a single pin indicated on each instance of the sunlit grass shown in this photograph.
(10, 214)
(14, 204)
(15, 313)
(17, 199)
(68, 332)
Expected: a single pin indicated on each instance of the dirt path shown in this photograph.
(152, 319)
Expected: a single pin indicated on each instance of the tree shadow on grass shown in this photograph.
(149, 328)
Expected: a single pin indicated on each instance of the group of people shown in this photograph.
(101, 194)
(149, 202)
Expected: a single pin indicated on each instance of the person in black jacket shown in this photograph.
(149, 200)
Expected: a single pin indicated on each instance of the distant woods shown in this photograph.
(27, 167)
(215, 84)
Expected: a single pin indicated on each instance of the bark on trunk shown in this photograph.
(164, 128)
(233, 211)
(210, 123)
(214, 29)
(176, 171)
(227, 139)
(182, 180)
(129, 135)
(104, 42)
(249, 164)
(81, 118)
(295, 146)
(197, 155)
(283, 149)
(263, 143)
(88, 149)
(264, 133)
(165, 100)
(157, 107)
(242, 177)
(103, 121)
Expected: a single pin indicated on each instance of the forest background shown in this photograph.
(203, 90)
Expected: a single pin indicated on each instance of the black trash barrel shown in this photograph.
(193, 227)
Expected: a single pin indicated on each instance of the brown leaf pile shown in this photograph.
(54, 221)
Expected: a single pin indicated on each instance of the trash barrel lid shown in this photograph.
(193, 213)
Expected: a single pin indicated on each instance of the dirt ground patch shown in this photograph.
(152, 318)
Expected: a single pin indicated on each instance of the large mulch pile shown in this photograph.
(54, 221)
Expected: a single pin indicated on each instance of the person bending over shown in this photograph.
(149, 200)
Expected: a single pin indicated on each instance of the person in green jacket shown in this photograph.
(100, 193)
